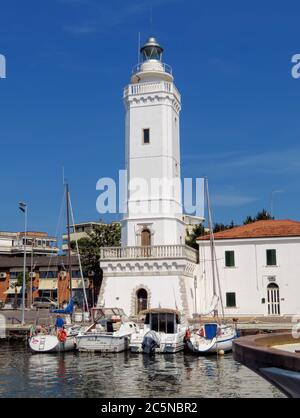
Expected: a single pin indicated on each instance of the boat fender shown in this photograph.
(62, 335)
(201, 332)
(187, 335)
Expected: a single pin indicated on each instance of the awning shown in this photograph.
(51, 284)
(11, 291)
(77, 283)
(48, 284)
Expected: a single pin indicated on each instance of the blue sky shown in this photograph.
(61, 103)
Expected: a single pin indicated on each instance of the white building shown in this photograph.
(37, 243)
(153, 267)
(259, 269)
(81, 230)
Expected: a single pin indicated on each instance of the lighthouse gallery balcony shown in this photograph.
(151, 252)
(152, 87)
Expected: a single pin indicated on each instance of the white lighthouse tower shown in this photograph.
(153, 105)
(153, 267)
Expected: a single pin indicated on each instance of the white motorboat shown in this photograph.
(163, 332)
(211, 338)
(110, 332)
(54, 342)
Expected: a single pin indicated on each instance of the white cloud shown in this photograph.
(229, 200)
(268, 162)
(107, 16)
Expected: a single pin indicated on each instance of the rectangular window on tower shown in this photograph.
(146, 136)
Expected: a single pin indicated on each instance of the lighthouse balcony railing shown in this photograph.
(149, 252)
(151, 87)
(166, 68)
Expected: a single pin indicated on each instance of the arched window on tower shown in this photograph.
(146, 238)
(141, 300)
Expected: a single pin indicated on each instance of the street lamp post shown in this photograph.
(23, 208)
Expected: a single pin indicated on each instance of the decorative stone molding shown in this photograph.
(102, 291)
(134, 298)
(190, 269)
(169, 100)
(149, 267)
(182, 287)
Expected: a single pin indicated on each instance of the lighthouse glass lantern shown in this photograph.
(152, 50)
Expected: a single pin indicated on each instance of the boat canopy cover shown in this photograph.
(68, 310)
(210, 331)
(159, 310)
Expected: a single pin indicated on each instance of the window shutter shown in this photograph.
(229, 259)
(271, 258)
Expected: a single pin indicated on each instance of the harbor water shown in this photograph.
(70, 375)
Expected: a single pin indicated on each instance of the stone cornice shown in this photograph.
(157, 268)
(153, 99)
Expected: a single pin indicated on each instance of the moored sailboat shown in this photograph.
(61, 338)
(213, 337)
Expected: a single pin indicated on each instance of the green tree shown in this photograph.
(260, 216)
(19, 281)
(89, 247)
(191, 237)
(218, 227)
(248, 220)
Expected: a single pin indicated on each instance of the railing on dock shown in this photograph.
(155, 252)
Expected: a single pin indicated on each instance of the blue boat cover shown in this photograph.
(68, 309)
(210, 331)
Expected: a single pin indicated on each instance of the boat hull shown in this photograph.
(102, 343)
(51, 344)
(168, 343)
(211, 346)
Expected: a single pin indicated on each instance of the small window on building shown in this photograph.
(271, 258)
(230, 300)
(146, 136)
(229, 259)
(13, 274)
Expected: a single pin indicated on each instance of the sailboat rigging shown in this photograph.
(61, 340)
(213, 337)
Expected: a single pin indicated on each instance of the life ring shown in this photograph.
(62, 335)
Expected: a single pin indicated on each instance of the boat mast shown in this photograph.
(78, 255)
(212, 251)
(214, 264)
(69, 240)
